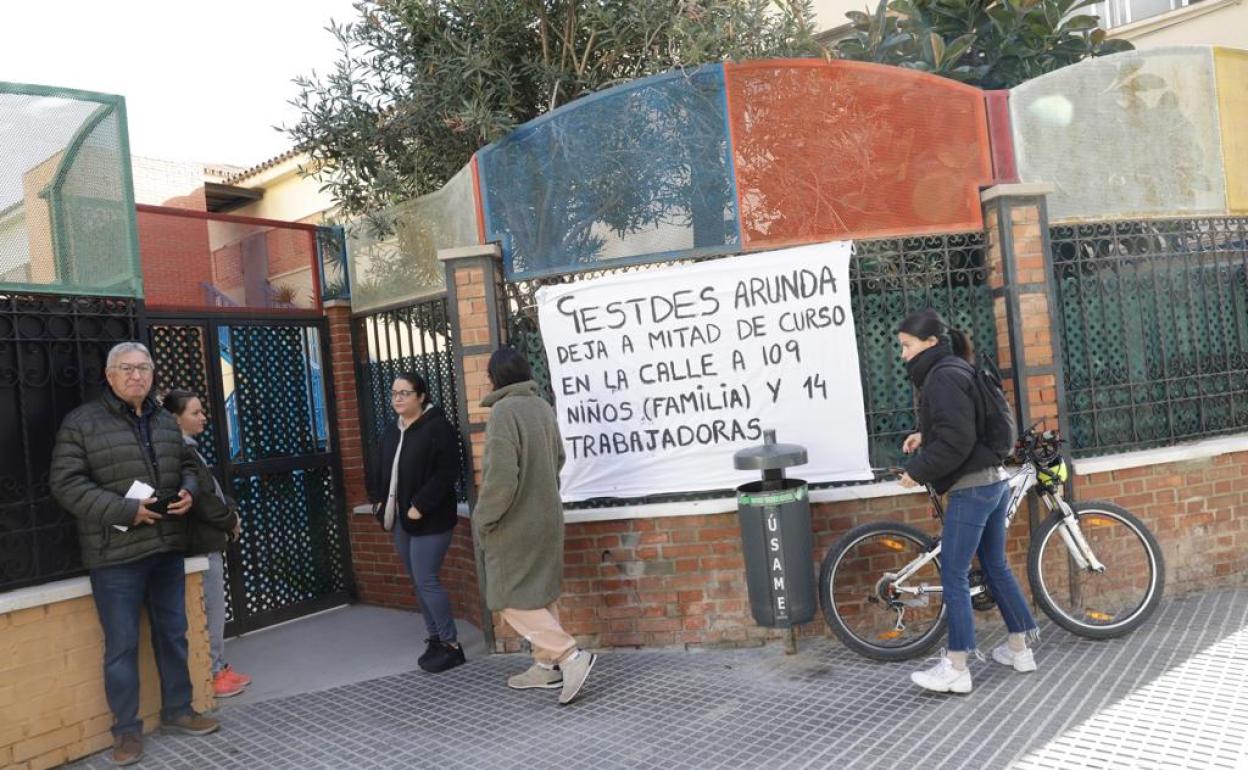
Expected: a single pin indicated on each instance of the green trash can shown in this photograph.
(776, 536)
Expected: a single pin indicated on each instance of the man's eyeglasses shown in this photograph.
(403, 394)
(141, 369)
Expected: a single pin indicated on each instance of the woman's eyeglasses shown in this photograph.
(402, 394)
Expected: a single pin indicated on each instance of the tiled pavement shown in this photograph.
(1174, 695)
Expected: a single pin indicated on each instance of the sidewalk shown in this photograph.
(1173, 695)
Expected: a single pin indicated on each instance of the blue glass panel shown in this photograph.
(637, 173)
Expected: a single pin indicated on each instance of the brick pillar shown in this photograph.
(1024, 300)
(1025, 304)
(346, 401)
(474, 298)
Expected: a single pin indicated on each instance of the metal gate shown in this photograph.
(271, 443)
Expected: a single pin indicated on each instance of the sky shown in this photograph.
(203, 81)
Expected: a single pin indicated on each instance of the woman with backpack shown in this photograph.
(951, 456)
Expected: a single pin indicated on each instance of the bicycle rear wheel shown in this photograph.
(861, 607)
(1098, 605)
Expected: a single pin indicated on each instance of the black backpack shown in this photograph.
(994, 417)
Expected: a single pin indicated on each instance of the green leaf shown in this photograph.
(1114, 45)
(937, 44)
(958, 47)
(1076, 23)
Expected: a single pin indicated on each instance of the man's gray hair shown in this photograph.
(122, 348)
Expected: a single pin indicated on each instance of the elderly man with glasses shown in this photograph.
(132, 547)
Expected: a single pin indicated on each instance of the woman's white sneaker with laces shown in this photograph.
(1021, 661)
(943, 677)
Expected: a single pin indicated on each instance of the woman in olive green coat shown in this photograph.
(518, 523)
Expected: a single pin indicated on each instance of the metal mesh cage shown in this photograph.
(638, 173)
(196, 260)
(393, 255)
(1133, 134)
(833, 150)
(66, 197)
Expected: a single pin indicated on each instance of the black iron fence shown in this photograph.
(52, 354)
(1154, 323)
(890, 278)
(412, 338)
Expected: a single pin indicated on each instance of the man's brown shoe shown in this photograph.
(127, 749)
(191, 724)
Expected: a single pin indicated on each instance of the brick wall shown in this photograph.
(380, 578)
(52, 704)
(289, 250)
(174, 255)
(1198, 511)
(680, 580)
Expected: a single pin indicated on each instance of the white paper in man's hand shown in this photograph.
(138, 491)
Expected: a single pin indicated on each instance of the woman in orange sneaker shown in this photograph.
(214, 522)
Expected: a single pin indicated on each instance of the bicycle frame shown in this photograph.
(1021, 483)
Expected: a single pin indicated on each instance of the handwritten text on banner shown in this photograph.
(661, 375)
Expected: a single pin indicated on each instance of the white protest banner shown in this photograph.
(661, 375)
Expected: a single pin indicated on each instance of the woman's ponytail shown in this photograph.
(962, 346)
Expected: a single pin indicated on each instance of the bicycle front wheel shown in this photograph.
(863, 606)
(1098, 605)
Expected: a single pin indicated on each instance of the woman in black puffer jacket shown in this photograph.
(412, 487)
(952, 458)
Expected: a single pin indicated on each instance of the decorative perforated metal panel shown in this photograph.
(1154, 324)
(52, 354)
(292, 552)
(274, 393)
(180, 354)
(413, 338)
(892, 278)
(266, 389)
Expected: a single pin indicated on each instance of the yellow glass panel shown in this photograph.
(1231, 66)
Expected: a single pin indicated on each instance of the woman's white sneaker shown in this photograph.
(1021, 661)
(943, 677)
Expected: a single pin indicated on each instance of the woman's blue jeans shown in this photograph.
(975, 526)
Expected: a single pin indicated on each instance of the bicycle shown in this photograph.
(1094, 568)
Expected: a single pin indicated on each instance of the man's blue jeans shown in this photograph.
(975, 526)
(159, 582)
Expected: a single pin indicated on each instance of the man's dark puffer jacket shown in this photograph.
(98, 455)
